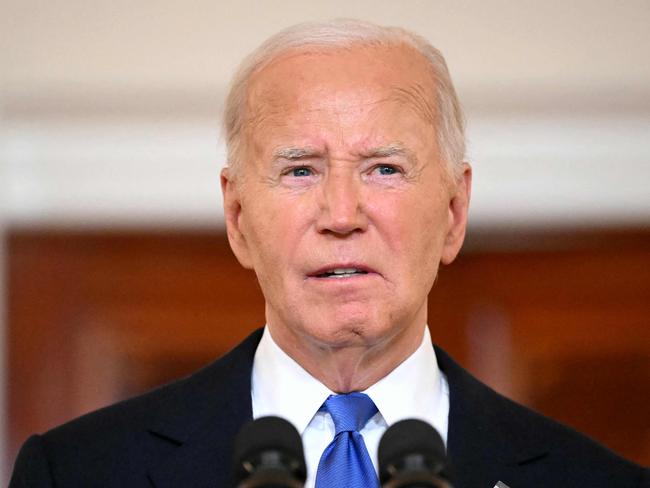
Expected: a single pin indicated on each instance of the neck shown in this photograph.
(344, 369)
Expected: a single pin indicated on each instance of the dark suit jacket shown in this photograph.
(181, 435)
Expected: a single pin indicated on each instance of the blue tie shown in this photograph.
(345, 463)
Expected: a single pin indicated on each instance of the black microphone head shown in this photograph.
(269, 445)
(411, 446)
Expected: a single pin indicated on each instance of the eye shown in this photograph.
(386, 169)
(300, 171)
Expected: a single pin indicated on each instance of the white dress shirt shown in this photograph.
(281, 387)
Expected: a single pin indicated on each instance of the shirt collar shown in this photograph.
(281, 387)
(414, 389)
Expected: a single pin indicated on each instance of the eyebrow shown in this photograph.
(293, 153)
(396, 149)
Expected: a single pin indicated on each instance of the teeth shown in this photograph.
(341, 271)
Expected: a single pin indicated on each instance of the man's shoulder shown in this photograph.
(127, 415)
(503, 438)
(181, 396)
(131, 433)
(86, 450)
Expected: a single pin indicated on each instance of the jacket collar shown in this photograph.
(489, 436)
(487, 439)
(196, 431)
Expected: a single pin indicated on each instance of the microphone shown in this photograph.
(412, 455)
(268, 454)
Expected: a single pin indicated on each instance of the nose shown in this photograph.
(341, 204)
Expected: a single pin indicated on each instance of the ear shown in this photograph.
(231, 187)
(458, 208)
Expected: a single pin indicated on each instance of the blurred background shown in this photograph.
(116, 274)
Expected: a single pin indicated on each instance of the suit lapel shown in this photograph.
(489, 436)
(193, 437)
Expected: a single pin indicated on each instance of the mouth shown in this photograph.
(340, 272)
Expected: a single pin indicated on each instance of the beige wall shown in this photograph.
(77, 46)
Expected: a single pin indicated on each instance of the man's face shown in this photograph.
(343, 206)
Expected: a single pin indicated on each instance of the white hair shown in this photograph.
(344, 33)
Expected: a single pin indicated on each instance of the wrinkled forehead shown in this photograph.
(378, 76)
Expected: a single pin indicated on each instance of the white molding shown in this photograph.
(97, 173)
(528, 170)
(560, 170)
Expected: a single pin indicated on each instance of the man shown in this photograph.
(346, 189)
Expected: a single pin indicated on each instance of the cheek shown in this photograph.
(389, 212)
(414, 229)
(406, 222)
(272, 228)
(267, 260)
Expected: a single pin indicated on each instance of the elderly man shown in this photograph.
(346, 189)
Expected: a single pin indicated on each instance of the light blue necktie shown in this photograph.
(345, 463)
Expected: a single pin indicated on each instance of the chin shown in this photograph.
(348, 330)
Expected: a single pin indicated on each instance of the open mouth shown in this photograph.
(341, 273)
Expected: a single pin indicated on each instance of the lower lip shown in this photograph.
(342, 279)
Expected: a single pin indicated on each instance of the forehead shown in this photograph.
(340, 84)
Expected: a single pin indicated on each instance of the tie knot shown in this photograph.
(350, 412)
